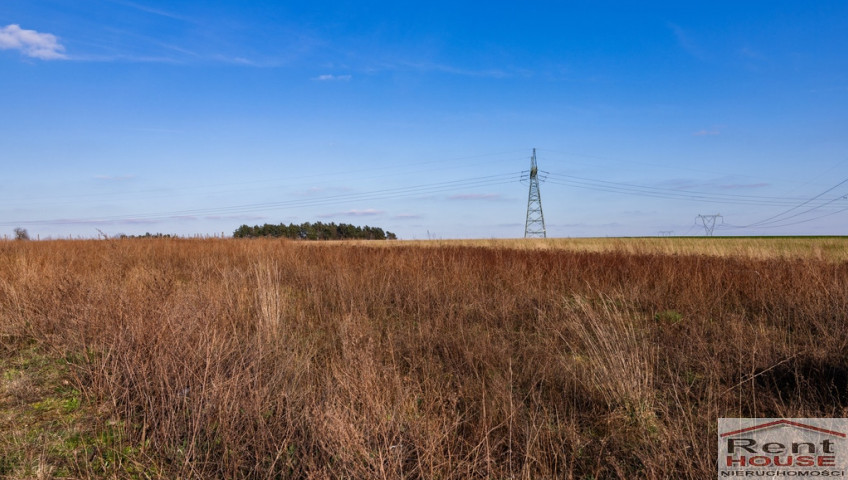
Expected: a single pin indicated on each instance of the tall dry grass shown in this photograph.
(832, 248)
(275, 359)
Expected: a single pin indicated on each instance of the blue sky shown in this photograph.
(196, 117)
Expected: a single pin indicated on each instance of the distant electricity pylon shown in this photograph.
(709, 222)
(534, 226)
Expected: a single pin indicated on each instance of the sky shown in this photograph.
(192, 118)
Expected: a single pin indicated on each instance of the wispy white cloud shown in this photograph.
(363, 213)
(115, 178)
(445, 68)
(476, 196)
(634, 213)
(150, 221)
(584, 224)
(146, 221)
(311, 191)
(705, 133)
(426, 66)
(154, 130)
(235, 217)
(684, 183)
(406, 216)
(126, 58)
(722, 183)
(44, 46)
(837, 89)
(368, 212)
(85, 221)
(188, 58)
(684, 40)
(330, 78)
(240, 61)
(151, 10)
(243, 61)
(744, 186)
(750, 53)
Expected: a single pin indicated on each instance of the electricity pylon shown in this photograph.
(709, 222)
(534, 226)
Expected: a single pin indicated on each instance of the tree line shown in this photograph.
(315, 231)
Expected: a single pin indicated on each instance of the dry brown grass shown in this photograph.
(268, 358)
(819, 248)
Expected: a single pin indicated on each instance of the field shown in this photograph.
(577, 359)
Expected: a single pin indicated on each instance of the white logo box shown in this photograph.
(783, 448)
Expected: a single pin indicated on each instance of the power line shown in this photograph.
(635, 163)
(795, 223)
(383, 194)
(665, 193)
(632, 162)
(775, 219)
(534, 202)
(705, 197)
(386, 171)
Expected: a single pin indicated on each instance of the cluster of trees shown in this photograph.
(315, 231)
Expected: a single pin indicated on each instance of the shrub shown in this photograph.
(21, 234)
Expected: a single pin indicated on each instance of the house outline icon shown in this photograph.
(782, 422)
